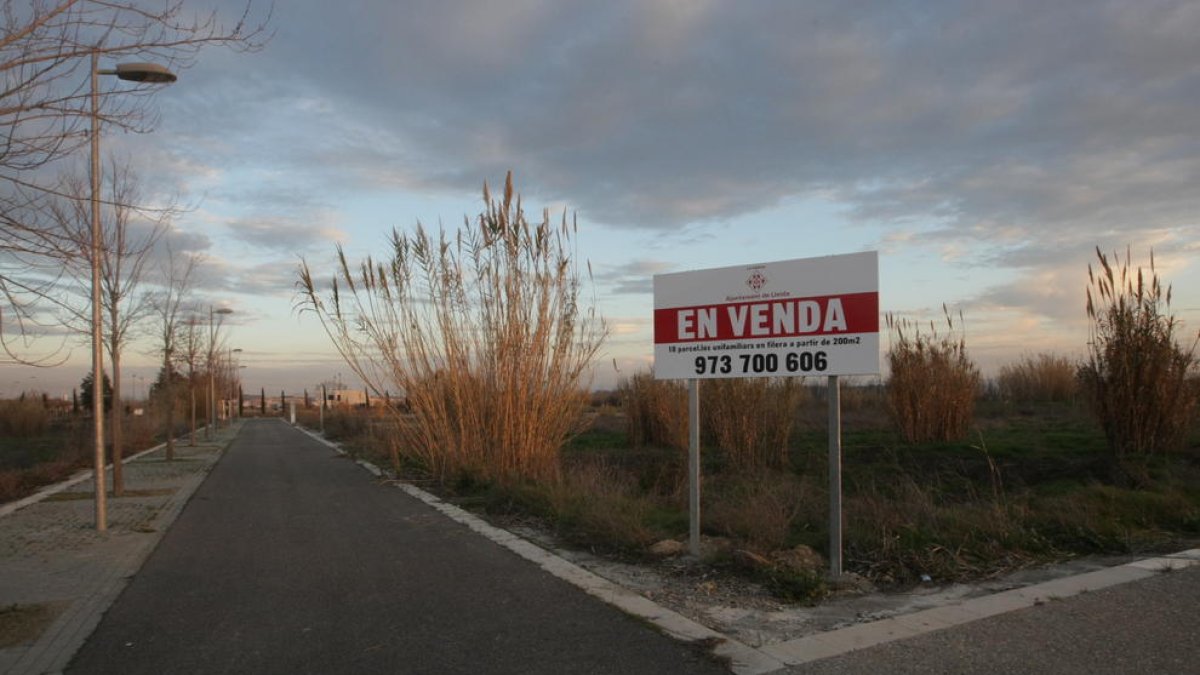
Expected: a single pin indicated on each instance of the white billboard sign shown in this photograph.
(812, 316)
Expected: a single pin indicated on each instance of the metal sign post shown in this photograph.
(694, 467)
(835, 477)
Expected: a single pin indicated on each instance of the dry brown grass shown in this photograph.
(484, 333)
(751, 419)
(24, 417)
(1041, 378)
(933, 383)
(762, 509)
(897, 533)
(17, 483)
(656, 411)
(1136, 374)
(604, 503)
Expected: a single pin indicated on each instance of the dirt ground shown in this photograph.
(20, 624)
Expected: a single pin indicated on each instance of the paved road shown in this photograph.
(1147, 626)
(288, 560)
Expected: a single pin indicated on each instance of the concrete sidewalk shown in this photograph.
(58, 575)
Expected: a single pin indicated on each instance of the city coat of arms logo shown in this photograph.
(757, 280)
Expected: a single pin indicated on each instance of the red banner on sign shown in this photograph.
(781, 317)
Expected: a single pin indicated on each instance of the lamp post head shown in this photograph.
(151, 73)
(223, 310)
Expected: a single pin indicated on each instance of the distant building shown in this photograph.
(346, 397)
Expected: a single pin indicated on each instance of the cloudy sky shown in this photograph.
(984, 149)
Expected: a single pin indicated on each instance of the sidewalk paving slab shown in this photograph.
(52, 557)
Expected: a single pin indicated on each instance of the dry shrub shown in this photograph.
(761, 508)
(18, 483)
(862, 396)
(599, 502)
(656, 411)
(933, 384)
(1136, 374)
(482, 331)
(343, 423)
(24, 417)
(751, 419)
(1041, 378)
(10, 486)
(905, 530)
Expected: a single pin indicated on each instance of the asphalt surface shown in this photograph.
(289, 559)
(1147, 626)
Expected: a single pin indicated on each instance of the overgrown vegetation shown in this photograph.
(23, 417)
(41, 442)
(1137, 370)
(1023, 489)
(751, 419)
(656, 411)
(1039, 379)
(482, 330)
(942, 477)
(933, 383)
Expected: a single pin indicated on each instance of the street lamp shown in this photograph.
(133, 72)
(233, 378)
(212, 394)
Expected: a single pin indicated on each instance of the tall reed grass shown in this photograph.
(484, 332)
(933, 384)
(751, 419)
(655, 410)
(1136, 373)
(1041, 378)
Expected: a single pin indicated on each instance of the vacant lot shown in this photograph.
(1030, 484)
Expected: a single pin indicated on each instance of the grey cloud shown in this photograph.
(274, 278)
(1012, 130)
(635, 276)
(281, 234)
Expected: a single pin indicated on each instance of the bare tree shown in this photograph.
(191, 348)
(168, 314)
(129, 235)
(46, 51)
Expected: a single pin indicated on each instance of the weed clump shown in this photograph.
(764, 509)
(1039, 379)
(933, 384)
(751, 419)
(24, 417)
(1136, 374)
(655, 411)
